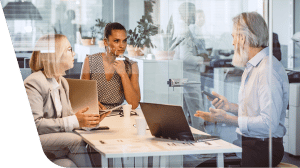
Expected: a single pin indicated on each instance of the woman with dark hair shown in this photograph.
(117, 80)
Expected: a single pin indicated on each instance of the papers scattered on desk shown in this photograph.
(207, 144)
(176, 145)
(137, 145)
(123, 145)
(185, 145)
(118, 141)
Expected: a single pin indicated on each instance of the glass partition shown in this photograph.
(182, 47)
(286, 25)
(296, 28)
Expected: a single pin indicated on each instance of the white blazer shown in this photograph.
(41, 99)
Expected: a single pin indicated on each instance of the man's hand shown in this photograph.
(215, 115)
(220, 104)
(87, 120)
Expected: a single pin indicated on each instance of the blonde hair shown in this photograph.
(47, 54)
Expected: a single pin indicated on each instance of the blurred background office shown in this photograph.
(162, 79)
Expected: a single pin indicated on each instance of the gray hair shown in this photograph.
(254, 27)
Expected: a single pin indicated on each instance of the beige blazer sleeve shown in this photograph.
(40, 96)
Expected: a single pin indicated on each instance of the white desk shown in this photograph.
(140, 147)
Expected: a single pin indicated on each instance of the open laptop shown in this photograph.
(168, 121)
(83, 93)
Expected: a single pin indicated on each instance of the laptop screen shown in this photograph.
(166, 121)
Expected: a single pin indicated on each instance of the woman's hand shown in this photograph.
(101, 107)
(87, 120)
(119, 67)
(104, 115)
(220, 104)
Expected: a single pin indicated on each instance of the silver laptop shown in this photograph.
(83, 93)
(168, 121)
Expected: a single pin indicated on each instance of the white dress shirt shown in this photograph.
(70, 122)
(258, 111)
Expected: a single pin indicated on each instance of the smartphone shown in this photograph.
(210, 95)
(101, 128)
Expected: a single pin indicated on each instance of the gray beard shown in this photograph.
(240, 57)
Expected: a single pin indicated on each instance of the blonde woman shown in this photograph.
(48, 94)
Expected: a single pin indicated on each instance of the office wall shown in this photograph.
(254, 5)
(297, 16)
(136, 11)
(121, 11)
(281, 21)
(281, 26)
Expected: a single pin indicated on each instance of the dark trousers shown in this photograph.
(255, 152)
(95, 157)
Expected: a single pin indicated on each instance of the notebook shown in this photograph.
(168, 121)
(83, 93)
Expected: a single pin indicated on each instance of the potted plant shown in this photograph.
(134, 44)
(99, 28)
(165, 51)
(140, 36)
(88, 40)
(139, 40)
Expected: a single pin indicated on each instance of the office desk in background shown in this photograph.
(122, 141)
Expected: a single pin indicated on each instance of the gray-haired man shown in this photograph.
(263, 95)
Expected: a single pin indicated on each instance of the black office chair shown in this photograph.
(276, 47)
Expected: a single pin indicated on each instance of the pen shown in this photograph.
(207, 143)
